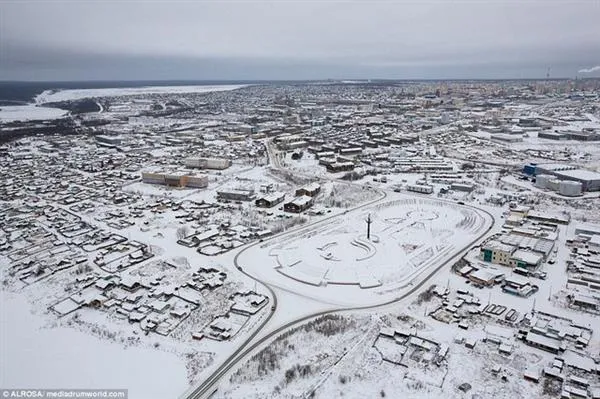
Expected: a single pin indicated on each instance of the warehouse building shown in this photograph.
(339, 167)
(587, 229)
(590, 181)
(351, 151)
(551, 168)
(526, 259)
(584, 136)
(466, 187)
(549, 218)
(207, 163)
(423, 165)
(485, 276)
(507, 138)
(236, 195)
(552, 136)
(404, 139)
(420, 188)
(109, 141)
(325, 154)
(175, 179)
(548, 344)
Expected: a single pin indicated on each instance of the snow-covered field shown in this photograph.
(344, 356)
(13, 113)
(49, 96)
(35, 355)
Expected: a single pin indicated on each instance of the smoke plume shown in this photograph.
(590, 70)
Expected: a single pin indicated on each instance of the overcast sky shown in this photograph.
(303, 39)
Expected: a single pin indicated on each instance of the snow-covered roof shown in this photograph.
(311, 187)
(274, 196)
(581, 174)
(542, 340)
(498, 246)
(302, 200)
(486, 274)
(527, 257)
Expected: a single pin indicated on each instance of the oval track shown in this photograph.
(209, 386)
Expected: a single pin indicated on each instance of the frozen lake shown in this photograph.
(13, 113)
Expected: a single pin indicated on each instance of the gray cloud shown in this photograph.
(296, 39)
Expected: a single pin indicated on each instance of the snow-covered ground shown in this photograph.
(328, 265)
(30, 112)
(334, 262)
(35, 355)
(49, 96)
(344, 356)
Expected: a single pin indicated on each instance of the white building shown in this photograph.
(207, 163)
(420, 188)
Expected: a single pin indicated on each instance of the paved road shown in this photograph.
(206, 388)
(210, 385)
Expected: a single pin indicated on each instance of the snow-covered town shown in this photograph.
(325, 239)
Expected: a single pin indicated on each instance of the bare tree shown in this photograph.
(183, 232)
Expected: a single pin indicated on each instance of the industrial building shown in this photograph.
(270, 200)
(587, 229)
(485, 276)
(526, 259)
(298, 204)
(521, 248)
(109, 141)
(207, 163)
(351, 151)
(546, 218)
(325, 154)
(236, 195)
(569, 188)
(340, 167)
(420, 188)
(466, 187)
(423, 164)
(537, 244)
(175, 179)
(553, 177)
(584, 136)
(552, 136)
(590, 181)
(496, 252)
(518, 286)
(551, 168)
(508, 138)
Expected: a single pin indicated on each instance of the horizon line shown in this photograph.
(334, 80)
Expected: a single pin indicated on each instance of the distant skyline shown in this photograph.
(304, 39)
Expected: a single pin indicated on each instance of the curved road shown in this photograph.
(210, 385)
(204, 388)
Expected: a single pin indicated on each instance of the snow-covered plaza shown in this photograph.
(335, 261)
